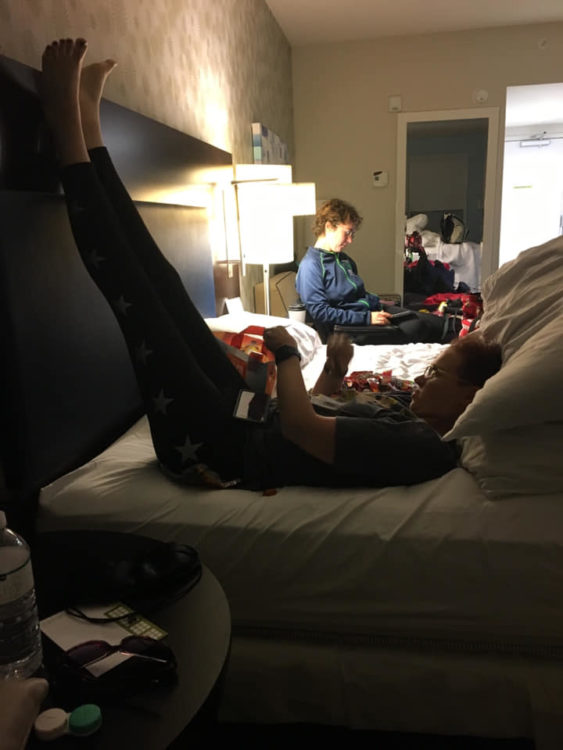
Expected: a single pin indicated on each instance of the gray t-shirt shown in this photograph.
(376, 446)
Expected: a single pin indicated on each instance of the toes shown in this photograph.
(50, 49)
(66, 47)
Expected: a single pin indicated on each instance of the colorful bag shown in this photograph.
(453, 229)
(251, 358)
(461, 315)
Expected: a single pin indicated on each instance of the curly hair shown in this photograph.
(335, 211)
(481, 358)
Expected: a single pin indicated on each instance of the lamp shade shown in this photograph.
(266, 232)
(266, 211)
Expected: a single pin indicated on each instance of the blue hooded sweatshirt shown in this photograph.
(331, 290)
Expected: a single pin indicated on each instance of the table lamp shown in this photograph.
(267, 201)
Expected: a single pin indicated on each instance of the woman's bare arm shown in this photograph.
(299, 422)
(339, 352)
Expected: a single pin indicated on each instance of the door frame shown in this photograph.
(491, 203)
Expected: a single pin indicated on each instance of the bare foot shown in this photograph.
(61, 66)
(92, 83)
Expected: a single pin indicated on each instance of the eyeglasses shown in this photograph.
(89, 652)
(432, 370)
(350, 233)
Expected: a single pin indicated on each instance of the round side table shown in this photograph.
(199, 633)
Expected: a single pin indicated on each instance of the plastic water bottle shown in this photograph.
(20, 636)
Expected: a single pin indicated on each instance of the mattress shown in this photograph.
(432, 564)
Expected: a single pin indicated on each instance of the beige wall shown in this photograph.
(344, 131)
(206, 67)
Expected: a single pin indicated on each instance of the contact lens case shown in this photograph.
(55, 722)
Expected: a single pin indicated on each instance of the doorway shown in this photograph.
(440, 169)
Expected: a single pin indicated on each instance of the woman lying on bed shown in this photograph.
(188, 385)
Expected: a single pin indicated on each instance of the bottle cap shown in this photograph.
(85, 720)
(51, 724)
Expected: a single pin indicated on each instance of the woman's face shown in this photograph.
(441, 394)
(339, 236)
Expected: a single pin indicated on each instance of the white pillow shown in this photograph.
(527, 390)
(523, 296)
(522, 461)
(524, 314)
(416, 223)
(512, 433)
(307, 339)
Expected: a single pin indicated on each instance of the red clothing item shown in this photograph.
(435, 299)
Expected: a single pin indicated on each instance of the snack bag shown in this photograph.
(250, 356)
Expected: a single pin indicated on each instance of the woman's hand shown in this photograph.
(339, 352)
(278, 336)
(380, 318)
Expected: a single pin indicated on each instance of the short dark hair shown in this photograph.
(335, 211)
(481, 358)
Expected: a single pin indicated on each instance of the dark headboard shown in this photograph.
(67, 388)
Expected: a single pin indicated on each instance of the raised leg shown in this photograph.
(162, 274)
(92, 82)
(189, 414)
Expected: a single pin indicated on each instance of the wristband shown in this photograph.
(285, 352)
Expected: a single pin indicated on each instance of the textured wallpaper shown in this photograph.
(206, 67)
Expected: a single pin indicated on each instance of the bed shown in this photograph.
(435, 608)
(463, 258)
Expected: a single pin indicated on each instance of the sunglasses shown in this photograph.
(145, 648)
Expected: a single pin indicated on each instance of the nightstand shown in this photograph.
(199, 633)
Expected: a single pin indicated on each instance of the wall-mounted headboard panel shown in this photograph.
(58, 334)
(153, 160)
(66, 385)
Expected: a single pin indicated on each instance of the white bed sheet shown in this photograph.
(465, 260)
(432, 561)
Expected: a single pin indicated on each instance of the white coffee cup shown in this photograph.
(297, 312)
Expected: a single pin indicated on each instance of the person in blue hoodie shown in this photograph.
(333, 293)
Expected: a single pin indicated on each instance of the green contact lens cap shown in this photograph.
(85, 720)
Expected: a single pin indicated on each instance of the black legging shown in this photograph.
(419, 327)
(187, 383)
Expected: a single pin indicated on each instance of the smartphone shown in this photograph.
(404, 315)
(251, 406)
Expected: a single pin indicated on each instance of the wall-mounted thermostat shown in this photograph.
(380, 179)
(395, 104)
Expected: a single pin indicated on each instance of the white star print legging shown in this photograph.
(188, 385)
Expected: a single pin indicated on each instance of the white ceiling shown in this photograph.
(314, 21)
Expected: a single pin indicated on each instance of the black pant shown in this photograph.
(418, 327)
(188, 385)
